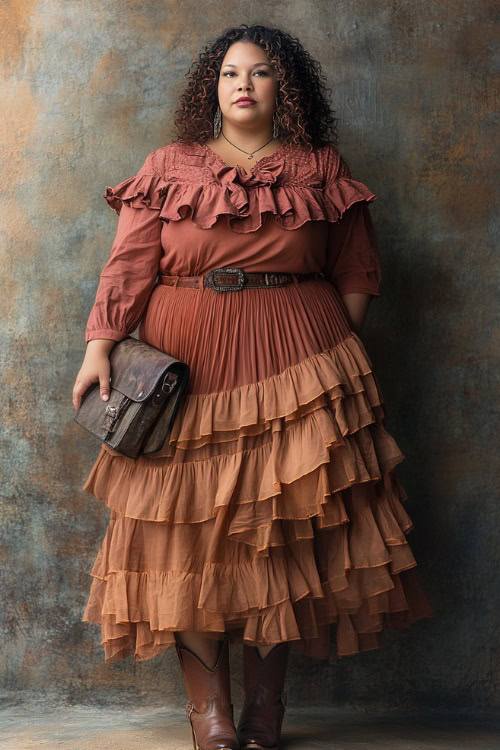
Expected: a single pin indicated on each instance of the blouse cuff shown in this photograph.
(105, 333)
(349, 287)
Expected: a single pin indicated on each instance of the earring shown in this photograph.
(217, 122)
(275, 127)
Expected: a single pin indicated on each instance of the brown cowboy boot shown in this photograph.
(209, 710)
(259, 727)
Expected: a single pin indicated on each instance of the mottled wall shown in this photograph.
(89, 91)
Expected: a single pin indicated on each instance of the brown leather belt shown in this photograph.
(234, 279)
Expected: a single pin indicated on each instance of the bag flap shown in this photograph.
(138, 368)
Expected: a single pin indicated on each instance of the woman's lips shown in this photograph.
(245, 102)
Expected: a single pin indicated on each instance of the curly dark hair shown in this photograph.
(302, 109)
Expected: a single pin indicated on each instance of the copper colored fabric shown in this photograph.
(273, 512)
(284, 216)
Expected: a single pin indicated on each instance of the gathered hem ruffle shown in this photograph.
(140, 612)
(241, 199)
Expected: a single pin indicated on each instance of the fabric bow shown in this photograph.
(235, 180)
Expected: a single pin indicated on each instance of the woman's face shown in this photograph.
(246, 71)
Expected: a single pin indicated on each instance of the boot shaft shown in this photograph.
(268, 673)
(263, 711)
(209, 710)
(203, 683)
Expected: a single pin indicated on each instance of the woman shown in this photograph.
(273, 510)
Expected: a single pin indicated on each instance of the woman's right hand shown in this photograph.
(95, 368)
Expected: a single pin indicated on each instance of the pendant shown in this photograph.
(250, 156)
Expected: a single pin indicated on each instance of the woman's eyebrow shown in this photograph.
(230, 65)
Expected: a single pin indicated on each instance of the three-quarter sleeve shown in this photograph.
(353, 261)
(129, 275)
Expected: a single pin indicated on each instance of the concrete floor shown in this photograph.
(89, 728)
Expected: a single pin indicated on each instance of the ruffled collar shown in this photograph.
(200, 186)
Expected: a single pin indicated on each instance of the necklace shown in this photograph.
(250, 155)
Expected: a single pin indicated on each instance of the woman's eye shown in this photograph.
(230, 72)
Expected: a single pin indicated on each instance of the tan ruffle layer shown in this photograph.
(338, 381)
(304, 500)
(242, 201)
(316, 429)
(128, 604)
(295, 594)
(323, 380)
(293, 477)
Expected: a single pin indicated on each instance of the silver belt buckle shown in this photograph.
(209, 280)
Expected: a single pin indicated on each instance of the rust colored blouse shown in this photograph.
(186, 212)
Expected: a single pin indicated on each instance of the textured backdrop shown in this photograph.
(89, 90)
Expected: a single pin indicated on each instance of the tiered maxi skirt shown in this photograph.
(273, 511)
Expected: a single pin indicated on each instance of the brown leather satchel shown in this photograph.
(145, 394)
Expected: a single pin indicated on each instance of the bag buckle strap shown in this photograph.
(112, 414)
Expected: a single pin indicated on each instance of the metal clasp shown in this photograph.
(111, 415)
(209, 280)
(168, 387)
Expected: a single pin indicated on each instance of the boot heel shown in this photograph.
(197, 747)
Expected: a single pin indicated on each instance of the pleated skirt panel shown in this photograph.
(273, 512)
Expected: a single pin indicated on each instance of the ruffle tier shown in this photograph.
(292, 205)
(241, 199)
(140, 611)
(137, 191)
(319, 381)
(272, 523)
